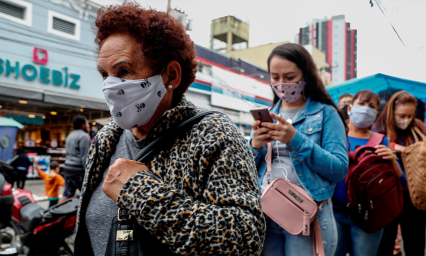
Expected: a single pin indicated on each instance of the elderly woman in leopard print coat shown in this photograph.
(197, 197)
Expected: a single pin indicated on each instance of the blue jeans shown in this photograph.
(72, 184)
(278, 242)
(352, 239)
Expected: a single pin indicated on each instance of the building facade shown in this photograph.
(48, 73)
(229, 33)
(339, 43)
(233, 86)
(258, 55)
(48, 70)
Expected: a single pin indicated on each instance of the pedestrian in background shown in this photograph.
(420, 110)
(308, 143)
(352, 239)
(396, 122)
(77, 147)
(344, 100)
(21, 165)
(52, 181)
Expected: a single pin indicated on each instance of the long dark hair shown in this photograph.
(315, 88)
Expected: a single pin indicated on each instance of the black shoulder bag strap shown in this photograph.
(153, 147)
(126, 236)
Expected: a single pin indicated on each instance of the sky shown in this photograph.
(271, 21)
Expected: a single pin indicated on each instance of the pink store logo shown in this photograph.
(40, 56)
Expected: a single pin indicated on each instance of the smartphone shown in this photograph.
(261, 114)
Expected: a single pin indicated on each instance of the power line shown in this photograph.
(396, 32)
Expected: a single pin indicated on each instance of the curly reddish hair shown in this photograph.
(162, 38)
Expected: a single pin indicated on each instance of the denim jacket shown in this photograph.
(318, 149)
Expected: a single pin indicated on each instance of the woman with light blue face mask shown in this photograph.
(351, 239)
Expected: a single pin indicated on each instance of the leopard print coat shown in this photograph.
(200, 197)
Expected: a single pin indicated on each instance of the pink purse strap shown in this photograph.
(269, 157)
(317, 236)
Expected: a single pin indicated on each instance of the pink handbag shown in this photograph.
(291, 207)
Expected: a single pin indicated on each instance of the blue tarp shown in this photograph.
(378, 83)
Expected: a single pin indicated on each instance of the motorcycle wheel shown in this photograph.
(8, 236)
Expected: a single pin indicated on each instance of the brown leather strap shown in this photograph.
(417, 130)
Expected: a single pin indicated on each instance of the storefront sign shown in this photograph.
(43, 163)
(40, 56)
(24, 119)
(46, 75)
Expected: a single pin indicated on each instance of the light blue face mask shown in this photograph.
(362, 116)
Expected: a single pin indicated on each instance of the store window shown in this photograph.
(17, 11)
(63, 25)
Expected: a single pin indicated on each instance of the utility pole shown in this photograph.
(169, 6)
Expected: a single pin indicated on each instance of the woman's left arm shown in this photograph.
(226, 219)
(330, 159)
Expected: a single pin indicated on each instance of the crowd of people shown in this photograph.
(202, 193)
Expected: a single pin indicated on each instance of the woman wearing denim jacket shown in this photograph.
(308, 145)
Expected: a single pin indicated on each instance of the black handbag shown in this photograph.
(126, 236)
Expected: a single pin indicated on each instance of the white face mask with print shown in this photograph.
(133, 102)
(403, 123)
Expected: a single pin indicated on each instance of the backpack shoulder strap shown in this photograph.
(155, 145)
(375, 139)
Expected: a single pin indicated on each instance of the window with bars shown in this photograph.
(12, 9)
(17, 10)
(63, 26)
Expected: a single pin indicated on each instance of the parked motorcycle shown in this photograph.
(6, 205)
(34, 230)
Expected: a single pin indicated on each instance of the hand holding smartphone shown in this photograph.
(282, 131)
(260, 134)
(261, 114)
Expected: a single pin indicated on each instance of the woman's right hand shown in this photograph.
(260, 135)
(399, 148)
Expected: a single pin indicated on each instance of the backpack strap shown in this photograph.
(375, 139)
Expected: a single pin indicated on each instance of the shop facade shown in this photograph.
(48, 71)
(48, 74)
